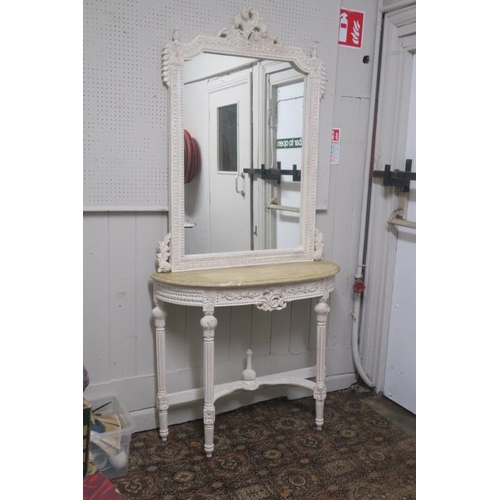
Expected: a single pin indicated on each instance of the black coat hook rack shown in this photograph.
(274, 174)
(397, 177)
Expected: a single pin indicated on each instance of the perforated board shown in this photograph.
(125, 102)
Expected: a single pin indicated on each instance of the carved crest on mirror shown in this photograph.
(281, 199)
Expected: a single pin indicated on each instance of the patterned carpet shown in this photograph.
(271, 450)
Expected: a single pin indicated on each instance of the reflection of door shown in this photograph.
(230, 153)
(278, 212)
(290, 103)
(400, 374)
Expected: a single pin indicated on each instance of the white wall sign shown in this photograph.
(335, 147)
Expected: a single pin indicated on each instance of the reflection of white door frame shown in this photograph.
(390, 147)
(271, 75)
(234, 234)
(290, 107)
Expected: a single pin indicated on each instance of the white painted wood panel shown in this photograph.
(261, 332)
(241, 331)
(300, 323)
(280, 328)
(347, 188)
(149, 229)
(122, 294)
(96, 348)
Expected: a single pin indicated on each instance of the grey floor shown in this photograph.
(395, 413)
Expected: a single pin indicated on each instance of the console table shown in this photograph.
(270, 287)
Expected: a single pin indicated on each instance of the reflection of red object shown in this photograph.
(191, 158)
(359, 285)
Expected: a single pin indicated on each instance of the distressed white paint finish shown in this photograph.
(160, 317)
(247, 36)
(120, 355)
(270, 289)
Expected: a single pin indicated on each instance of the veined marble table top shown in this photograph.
(261, 275)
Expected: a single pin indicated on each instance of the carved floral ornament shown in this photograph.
(247, 31)
(271, 301)
(318, 245)
(247, 26)
(163, 255)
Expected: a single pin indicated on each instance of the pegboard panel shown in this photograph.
(125, 102)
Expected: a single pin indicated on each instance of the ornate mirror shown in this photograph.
(244, 117)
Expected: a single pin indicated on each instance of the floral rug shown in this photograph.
(271, 450)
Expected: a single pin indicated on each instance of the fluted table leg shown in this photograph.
(160, 316)
(322, 309)
(208, 323)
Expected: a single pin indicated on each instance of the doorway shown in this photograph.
(230, 152)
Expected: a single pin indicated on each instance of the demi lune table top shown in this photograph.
(261, 275)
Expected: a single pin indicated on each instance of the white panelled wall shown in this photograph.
(120, 251)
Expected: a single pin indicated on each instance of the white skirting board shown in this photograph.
(193, 410)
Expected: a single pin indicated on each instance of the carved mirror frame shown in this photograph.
(247, 37)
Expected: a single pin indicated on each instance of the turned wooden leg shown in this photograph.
(322, 309)
(208, 323)
(160, 317)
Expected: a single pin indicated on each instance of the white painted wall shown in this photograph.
(119, 248)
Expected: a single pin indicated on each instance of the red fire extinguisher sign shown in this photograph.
(351, 28)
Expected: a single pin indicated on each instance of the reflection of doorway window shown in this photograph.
(228, 138)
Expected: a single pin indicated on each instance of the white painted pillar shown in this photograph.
(322, 309)
(160, 316)
(208, 323)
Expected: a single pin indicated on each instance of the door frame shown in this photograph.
(389, 117)
(276, 74)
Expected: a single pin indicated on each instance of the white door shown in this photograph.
(290, 105)
(400, 374)
(230, 153)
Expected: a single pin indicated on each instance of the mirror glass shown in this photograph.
(243, 153)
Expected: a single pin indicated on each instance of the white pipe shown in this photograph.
(355, 346)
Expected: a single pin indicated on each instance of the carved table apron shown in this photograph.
(270, 287)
